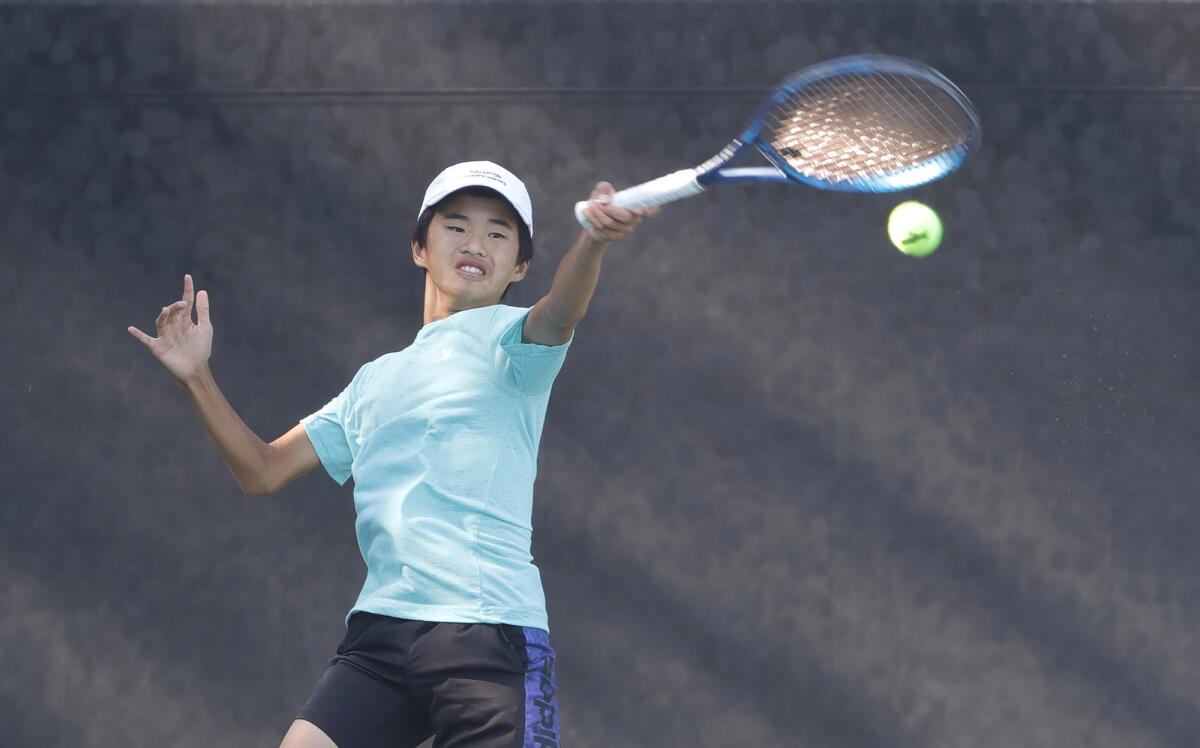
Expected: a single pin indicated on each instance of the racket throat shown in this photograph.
(706, 170)
(756, 174)
(715, 171)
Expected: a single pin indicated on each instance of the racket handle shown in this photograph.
(672, 187)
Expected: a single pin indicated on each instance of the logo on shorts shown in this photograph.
(545, 730)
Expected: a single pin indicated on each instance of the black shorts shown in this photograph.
(395, 682)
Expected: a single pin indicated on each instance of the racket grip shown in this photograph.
(672, 187)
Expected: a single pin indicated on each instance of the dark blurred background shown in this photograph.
(795, 488)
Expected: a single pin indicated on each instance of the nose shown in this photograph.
(473, 244)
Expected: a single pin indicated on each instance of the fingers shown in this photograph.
(169, 314)
(601, 188)
(146, 339)
(604, 192)
(609, 222)
(598, 230)
(610, 216)
(188, 295)
(183, 305)
(605, 227)
(202, 309)
(198, 300)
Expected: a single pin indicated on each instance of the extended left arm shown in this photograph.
(556, 314)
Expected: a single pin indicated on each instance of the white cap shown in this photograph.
(481, 174)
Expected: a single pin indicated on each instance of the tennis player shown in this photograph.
(449, 635)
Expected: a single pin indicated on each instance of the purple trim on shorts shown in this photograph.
(541, 704)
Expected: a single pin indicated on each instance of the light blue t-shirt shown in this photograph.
(442, 441)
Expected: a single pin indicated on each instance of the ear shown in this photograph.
(521, 270)
(419, 255)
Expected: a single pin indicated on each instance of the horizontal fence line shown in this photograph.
(514, 95)
(301, 3)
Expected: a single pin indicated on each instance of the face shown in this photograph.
(471, 251)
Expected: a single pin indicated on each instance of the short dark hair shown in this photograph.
(420, 233)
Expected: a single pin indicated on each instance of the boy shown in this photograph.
(449, 635)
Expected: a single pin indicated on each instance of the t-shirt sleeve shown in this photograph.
(327, 430)
(529, 367)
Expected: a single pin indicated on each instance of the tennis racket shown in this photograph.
(864, 123)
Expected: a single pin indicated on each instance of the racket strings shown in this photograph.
(860, 127)
(866, 109)
(844, 130)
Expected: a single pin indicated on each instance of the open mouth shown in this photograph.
(470, 270)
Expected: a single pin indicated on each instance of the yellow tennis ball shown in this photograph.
(914, 228)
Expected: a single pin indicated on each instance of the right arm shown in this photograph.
(259, 468)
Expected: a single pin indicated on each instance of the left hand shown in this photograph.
(610, 223)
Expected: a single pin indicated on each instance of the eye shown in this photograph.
(454, 228)
(498, 235)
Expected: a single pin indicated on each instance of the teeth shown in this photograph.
(470, 269)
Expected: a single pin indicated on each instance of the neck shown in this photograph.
(438, 305)
(431, 296)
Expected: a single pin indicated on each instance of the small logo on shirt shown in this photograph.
(446, 353)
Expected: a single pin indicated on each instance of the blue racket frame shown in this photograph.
(712, 172)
